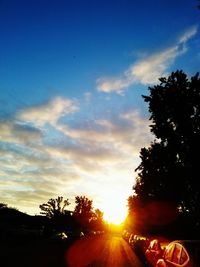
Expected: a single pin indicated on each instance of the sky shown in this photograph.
(72, 76)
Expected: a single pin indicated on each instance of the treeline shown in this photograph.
(54, 218)
(84, 217)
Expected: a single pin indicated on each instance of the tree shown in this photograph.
(83, 210)
(97, 222)
(54, 207)
(169, 167)
(159, 174)
(3, 206)
(98, 215)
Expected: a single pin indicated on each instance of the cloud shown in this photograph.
(48, 113)
(106, 142)
(80, 160)
(103, 142)
(14, 132)
(109, 85)
(148, 70)
(103, 131)
(189, 33)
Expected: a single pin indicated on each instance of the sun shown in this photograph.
(114, 217)
(115, 211)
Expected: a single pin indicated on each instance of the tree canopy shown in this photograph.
(83, 210)
(54, 207)
(3, 205)
(82, 217)
(169, 166)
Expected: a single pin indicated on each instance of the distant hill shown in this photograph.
(13, 217)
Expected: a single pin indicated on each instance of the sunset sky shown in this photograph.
(72, 72)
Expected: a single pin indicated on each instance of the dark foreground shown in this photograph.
(91, 251)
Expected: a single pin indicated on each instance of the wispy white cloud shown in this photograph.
(117, 85)
(148, 70)
(48, 113)
(14, 132)
(189, 33)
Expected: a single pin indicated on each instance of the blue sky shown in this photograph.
(72, 72)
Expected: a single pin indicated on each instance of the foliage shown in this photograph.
(97, 221)
(98, 215)
(3, 205)
(54, 207)
(169, 167)
(83, 210)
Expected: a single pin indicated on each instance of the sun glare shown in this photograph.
(114, 211)
(114, 217)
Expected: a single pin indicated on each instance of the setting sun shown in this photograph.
(114, 210)
(114, 216)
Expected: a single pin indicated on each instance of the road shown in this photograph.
(101, 251)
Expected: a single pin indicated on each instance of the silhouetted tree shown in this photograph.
(59, 219)
(54, 207)
(98, 214)
(159, 174)
(97, 221)
(3, 205)
(83, 210)
(169, 167)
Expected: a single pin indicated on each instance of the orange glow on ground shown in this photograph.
(103, 250)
